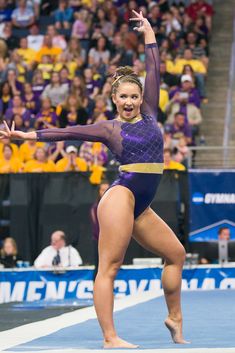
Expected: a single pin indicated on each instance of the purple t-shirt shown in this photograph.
(194, 96)
(179, 131)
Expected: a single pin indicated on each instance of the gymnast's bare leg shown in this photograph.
(115, 214)
(154, 234)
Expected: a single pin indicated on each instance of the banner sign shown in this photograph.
(33, 285)
(212, 205)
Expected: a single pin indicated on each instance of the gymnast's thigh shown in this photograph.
(155, 235)
(116, 218)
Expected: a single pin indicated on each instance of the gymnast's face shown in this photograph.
(128, 99)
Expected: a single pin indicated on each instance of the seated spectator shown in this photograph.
(72, 112)
(81, 26)
(28, 148)
(168, 80)
(71, 162)
(22, 16)
(46, 116)
(5, 97)
(40, 163)
(167, 59)
(179, 128)
(16, 86)
(19, 123)
(58, 40)
(154, 16)
(9, 253)
(27, 54)
(197, 51)
(10, 39)
(46, 67)
(101, 19)
(31, 102)
(8, 163)
(48, 49)
(119, 55)
(92, 85)
(56, 91)
(58, 254)
(35, 39)
(170, 163)
(99, 55)
(63, 15)
(171, 22)
(201, 8)
(187, 89)
(75, 53)
(5, 12)
(7, 141)
(38, 83)
(16, 63)
(196, 64)
(18, 108)
(64, 76)
(101, 108)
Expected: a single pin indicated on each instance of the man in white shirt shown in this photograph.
(58, 254)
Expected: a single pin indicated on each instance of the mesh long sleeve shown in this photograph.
(152, 81)
(98, 132)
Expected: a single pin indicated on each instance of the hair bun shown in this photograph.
(123, 71)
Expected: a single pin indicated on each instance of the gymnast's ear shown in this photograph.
(113, 96)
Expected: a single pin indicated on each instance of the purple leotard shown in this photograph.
(131, 143)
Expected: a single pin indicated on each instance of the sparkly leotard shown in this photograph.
(137, 145)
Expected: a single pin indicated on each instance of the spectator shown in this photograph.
(31, 101)
(16, 63)
(10, 39)
(75, 53)
(169, 162)
(58, 254)
(187, 89)
(56, 91)
(197, 65)
(18, 108)
(28, 55)
(40, 163)
(7, 141)
(179, 128)
(63, 15)
(48, 49)
(46, 67)
(99, 55)
(46, 116)
(201, 8)
(19, 123)
(5, 97)
(5, 12)
(16, 86)
(58, 40)
(103, 187)
(72, 112)
(92, 85)
(71, 162)
(22, 16)
(34, 39)
(38, 83)
(82, 24)
(8, 163)
(28, 148)
(9, 253)
(168, 80)
(224, 233)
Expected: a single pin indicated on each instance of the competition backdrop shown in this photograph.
(212, 204)
(32, 285)
(42, 203)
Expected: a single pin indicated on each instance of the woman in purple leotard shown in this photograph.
(124, 210)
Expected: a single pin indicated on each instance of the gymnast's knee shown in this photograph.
(109, 270)
(178, 256)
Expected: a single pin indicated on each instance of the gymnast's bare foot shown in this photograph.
(175, 328)
(117, 342)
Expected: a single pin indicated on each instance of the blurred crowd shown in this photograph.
(57, 59)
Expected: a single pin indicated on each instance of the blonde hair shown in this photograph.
(125, 74)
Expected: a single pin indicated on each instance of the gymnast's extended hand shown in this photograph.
(16, 134)
(144, 27)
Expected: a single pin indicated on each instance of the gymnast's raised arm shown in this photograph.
(98, 132)
(152, 81)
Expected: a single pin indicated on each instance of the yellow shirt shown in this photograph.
(53, 52)
(71, 66)
(62, 164)
(196, 65)
(46, 70)
(163, 99)
(14, 165)
(174, 165)
(170, 66)
(14, 148)
(28, 55)
(26, 151)
(35, 166)
(97, 174)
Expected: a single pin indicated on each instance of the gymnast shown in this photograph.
(124, 210)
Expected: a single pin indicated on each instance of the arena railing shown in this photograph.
(211, 157)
